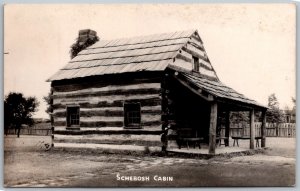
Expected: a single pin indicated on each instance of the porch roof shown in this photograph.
(219, 90)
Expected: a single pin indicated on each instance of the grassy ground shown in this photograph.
(27, 164)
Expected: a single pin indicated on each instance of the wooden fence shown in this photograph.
(272, 130)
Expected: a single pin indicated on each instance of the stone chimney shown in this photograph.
(86, 34)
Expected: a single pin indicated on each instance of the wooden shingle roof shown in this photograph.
(219, 90)
(145, 53)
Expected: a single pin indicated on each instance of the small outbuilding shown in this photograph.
(145, 93)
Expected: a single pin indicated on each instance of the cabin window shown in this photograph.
(196, 64)
(132, 115)
(72, 116)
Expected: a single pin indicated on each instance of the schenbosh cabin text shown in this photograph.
(145, 93)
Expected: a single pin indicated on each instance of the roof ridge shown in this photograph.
(188, 33)
(129, 48)
(154, 58)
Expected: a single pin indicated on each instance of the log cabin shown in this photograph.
(146, 93)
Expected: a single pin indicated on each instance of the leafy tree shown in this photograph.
(274, 114)
(18, 110)
(294, 105)
(272, 101)
(293, 111)
(294, 100)
(239, 117)
(244, 117)
(79, 45)
(258, 116)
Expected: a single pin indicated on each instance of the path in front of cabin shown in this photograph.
(32, 167)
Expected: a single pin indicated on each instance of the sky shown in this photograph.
(252, 47)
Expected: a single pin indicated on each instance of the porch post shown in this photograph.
(227, 128)
(252, 129)
(213, 127)
(263, 129)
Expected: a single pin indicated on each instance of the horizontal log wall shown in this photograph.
(103, 81)
(109, 89)
(197, 41)
(108, 148)
(109, 98)
(194, 48)
(107, 111)
(155, 101)
(102, 113)
(123, 139)
(103, 106)
(100, 130)
(86, 124)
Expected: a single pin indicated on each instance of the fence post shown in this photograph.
(252, 129)
(263, 130)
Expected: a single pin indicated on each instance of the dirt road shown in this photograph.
(36, 168)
